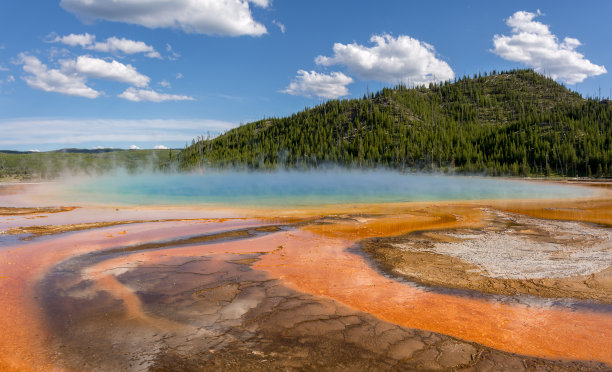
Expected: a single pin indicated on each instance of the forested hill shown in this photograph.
(509, 123)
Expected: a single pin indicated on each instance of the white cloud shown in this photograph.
(2, 68)
(533, 44)
(391, 60)
(229, 17)
(40, 132)
(100, 69)
(83, 40)
(111, 45)
(149, 95)
(165, 84)
(160, 147)
(33, 150)
(52, 80)
(280, 26)
(318, 84)
(10, 79)
(179, 76)
(71, 78)
(134, 147)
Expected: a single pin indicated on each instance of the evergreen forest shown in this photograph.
(514, 123)
(15, 165)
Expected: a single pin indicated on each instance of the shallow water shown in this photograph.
(304, 188)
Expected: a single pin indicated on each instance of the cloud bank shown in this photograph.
(318, 84)
(391, 60)
(228, 17)
(533, 44)
(28, 133)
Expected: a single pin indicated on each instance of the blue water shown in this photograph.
(305, 188)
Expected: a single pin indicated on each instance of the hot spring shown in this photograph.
(302, 188)
(119, 270)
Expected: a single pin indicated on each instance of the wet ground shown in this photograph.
(217, 313)
(291, 293)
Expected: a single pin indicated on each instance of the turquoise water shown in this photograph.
(304, 188)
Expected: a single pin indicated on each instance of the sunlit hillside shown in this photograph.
(509, 123)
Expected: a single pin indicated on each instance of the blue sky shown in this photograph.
(104, 73)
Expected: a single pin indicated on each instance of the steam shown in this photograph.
(290, 187)
(61, 166)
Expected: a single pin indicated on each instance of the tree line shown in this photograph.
(514, 122)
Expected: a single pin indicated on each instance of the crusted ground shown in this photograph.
(511, 255)
(216, 313)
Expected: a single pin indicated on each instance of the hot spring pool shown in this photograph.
(303, 188)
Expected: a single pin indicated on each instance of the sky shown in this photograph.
(157, 73)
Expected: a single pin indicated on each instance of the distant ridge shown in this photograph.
(65, 151)
(504, 123)
(15, 152)
(87, 151)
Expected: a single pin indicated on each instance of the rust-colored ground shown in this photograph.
(293, 291)
(556, 248)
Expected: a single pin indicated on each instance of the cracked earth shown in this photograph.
(216, 313)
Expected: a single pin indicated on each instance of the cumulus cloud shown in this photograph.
(71, 78)
(165, 84)
(114, 45)
(533, 44)
(160, 147)
(100, 69)
(134, 147)
(228, 17)
(82, 40)
(111, 45)
(149, 95)
(391, 60)
(53, 80)
(318, 84)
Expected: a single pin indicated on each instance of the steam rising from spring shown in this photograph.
(301, 188)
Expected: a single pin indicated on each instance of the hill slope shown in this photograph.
(510, 123)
